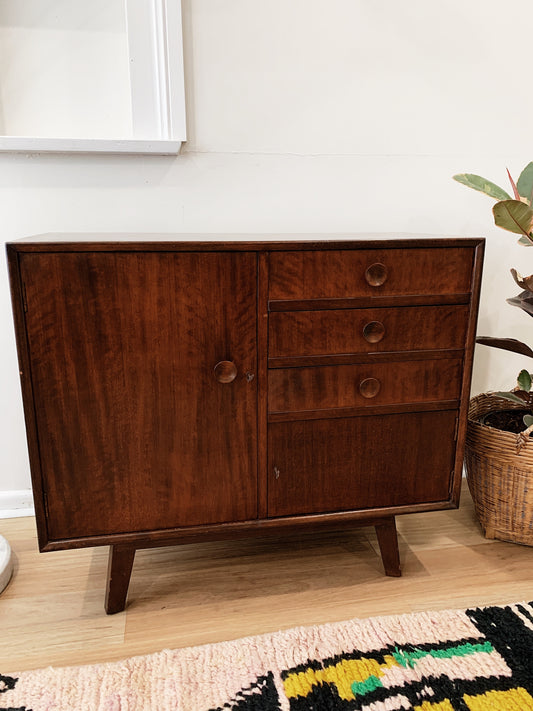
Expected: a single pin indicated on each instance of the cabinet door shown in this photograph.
(345, 464)
(135, 431)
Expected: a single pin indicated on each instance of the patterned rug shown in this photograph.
(474, 660)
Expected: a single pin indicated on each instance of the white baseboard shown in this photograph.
(16, 503)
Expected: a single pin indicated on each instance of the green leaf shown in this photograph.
(514, 216)
(511, 397)
(506, 344)
(524, 380)
(476, 182)
(528, 420)
(526, 241)
(525, 182)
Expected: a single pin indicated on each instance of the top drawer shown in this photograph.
(344, 274)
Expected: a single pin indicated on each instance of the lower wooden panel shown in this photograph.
(361, 462)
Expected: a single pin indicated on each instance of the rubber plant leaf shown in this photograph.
(515, 397)
(526, 241)
(506, 344)
(525, 283)
(513, 185)
(524, 301)
(514, 216)
(525, 182)
(476, 182)
(524, 380)
(528, 420)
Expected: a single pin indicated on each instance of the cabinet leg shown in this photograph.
(388, 545)
(118, 577)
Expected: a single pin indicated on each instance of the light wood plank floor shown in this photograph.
(52, 611)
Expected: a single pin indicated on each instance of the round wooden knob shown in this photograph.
(369, 387)
(376, 274)
(374, 331)
(225, 371)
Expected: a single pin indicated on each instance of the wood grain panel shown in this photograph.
(341, 273)
(135, 431)
(359, 463)
(306, 333)
(321, 387)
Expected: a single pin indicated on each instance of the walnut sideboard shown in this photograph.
(180, 391)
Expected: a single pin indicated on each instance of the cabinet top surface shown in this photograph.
(124, 241)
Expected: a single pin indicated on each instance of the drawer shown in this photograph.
(337, 386)
(356, 463)
(342, 274)
(336, 331)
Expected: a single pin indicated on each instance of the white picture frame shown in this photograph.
(155, 47)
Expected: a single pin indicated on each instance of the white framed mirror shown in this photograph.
(100, 76)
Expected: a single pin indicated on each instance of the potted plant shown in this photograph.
(499, 462)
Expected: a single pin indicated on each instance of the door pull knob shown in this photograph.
(225, 371)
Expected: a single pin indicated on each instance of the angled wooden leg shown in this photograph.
(118, 577)
(388, 545)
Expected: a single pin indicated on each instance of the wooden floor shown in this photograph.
(52, 611)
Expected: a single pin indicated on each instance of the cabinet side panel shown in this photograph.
(135, 431)
(477, 271)
(18, 305)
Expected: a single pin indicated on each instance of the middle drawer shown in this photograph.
(329, 387)
(373, 330)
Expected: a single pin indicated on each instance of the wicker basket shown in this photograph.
(500, 479)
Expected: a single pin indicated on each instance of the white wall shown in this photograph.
(310, 116)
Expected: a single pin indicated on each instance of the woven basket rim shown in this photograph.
(489, 402)
(494, 442)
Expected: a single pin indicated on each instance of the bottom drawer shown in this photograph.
(360, 462)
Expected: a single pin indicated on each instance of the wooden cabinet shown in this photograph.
(177, 391)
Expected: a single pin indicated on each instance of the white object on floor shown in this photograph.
(6, 563)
